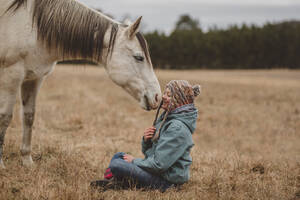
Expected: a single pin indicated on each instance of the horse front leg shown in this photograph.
(5, 119)
(29, 91)
(10, 81)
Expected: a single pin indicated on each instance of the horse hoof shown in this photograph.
(27, 161)
(2, 166)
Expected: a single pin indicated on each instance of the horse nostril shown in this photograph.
(148, 107)
(156, 97)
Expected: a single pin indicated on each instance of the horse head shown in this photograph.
(130, 66)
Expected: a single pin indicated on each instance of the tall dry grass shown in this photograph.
(247, 142)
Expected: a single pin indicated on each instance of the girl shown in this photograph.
(166, 145)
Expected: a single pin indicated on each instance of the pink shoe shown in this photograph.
(108, 174)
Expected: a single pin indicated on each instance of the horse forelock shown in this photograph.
(143, 45)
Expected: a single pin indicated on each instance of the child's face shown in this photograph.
(166, 98)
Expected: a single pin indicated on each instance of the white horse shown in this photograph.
(35, 34)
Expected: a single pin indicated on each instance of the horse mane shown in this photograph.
(73, 29)
(16, 5)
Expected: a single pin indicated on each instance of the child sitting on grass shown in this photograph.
(166, 145)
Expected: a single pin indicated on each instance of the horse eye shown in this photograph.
(139, 58)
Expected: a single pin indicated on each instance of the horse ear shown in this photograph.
(133, 29)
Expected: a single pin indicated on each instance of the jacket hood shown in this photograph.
(187, 114)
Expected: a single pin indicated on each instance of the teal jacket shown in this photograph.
(169, 157)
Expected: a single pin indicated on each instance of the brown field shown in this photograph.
(247, 142)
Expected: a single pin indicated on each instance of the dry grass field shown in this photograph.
(247, 142)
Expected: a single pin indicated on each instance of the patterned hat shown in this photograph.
(182, 93)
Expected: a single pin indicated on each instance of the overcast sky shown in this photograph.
(162, 14)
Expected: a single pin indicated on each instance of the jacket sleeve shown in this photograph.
(145, 146)
(170, 147)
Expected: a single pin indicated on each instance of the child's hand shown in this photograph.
(149, 133)
(128, 158)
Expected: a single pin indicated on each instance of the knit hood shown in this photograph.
(189, 118)
(187, 114)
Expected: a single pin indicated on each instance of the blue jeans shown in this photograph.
(125, 171)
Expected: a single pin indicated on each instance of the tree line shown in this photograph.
(273, 45)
